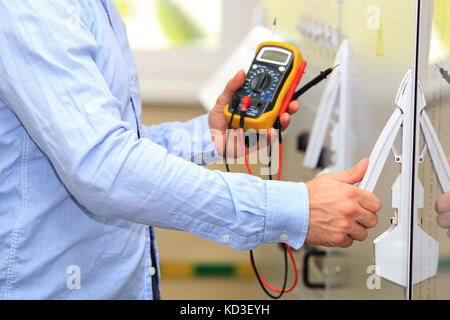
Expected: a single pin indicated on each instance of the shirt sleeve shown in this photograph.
(189, 140)
(50, 80)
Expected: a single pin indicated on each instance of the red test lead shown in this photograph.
(297, 79)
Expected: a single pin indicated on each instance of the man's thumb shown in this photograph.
(232, 86)
(353, 175)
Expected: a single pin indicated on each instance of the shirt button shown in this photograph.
(91, 109)
(284, 237)
(152, 271)
(226, 238)
(195, 139)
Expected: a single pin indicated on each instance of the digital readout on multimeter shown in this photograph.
(276, 56)
(272, 55)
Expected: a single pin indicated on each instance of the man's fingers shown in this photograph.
(358, 232)
(443, 203)
(353, 175)
(346, 243)
(294, 106)
(367, 218)
(368, 200)
(443, 220)
(285, 120)
(232, 86)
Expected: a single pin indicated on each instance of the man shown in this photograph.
(81, 179)
(443, 210)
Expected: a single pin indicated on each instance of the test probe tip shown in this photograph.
(274, 27)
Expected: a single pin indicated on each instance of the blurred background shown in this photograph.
(186, 50)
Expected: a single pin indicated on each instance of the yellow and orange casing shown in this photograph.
(267, 117)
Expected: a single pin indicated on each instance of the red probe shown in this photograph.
(284, 107)
(297, 79)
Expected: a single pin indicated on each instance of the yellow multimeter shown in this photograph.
(269, 80)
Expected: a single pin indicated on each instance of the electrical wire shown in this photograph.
(241, 133)
(292, 95)
(277, 127)
(270, 162)
(263, 283)
(322, 76)
(284, 290)
(227, 134)
(286, 247)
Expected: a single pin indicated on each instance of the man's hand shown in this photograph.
(443, 210)
(340, 212)
(218, 123)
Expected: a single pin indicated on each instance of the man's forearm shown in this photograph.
(189, 140)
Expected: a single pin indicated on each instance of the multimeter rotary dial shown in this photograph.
(262, 81)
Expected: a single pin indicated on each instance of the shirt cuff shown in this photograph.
(287, 218)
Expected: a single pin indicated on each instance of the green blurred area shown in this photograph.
(442, 20)
(124, 7)
(179, 29)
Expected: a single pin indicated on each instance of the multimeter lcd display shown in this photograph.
(276, 56)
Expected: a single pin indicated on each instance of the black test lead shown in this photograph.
(322, 76)
(444, 73)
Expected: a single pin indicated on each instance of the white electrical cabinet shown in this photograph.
(390, 101)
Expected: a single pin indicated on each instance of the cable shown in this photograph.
(263, 283)
(322, 76)
(291, 92)
(270, 162)
(241, 133)
(444, 73)
(286, 247)
(246, 102)
(284, 290)
(294, 96)
(234, 107)
(230, 124)
(277, 126)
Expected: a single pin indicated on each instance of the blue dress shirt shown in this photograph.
(81, 179)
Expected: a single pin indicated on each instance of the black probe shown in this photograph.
(444, 73)
(322, 76)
